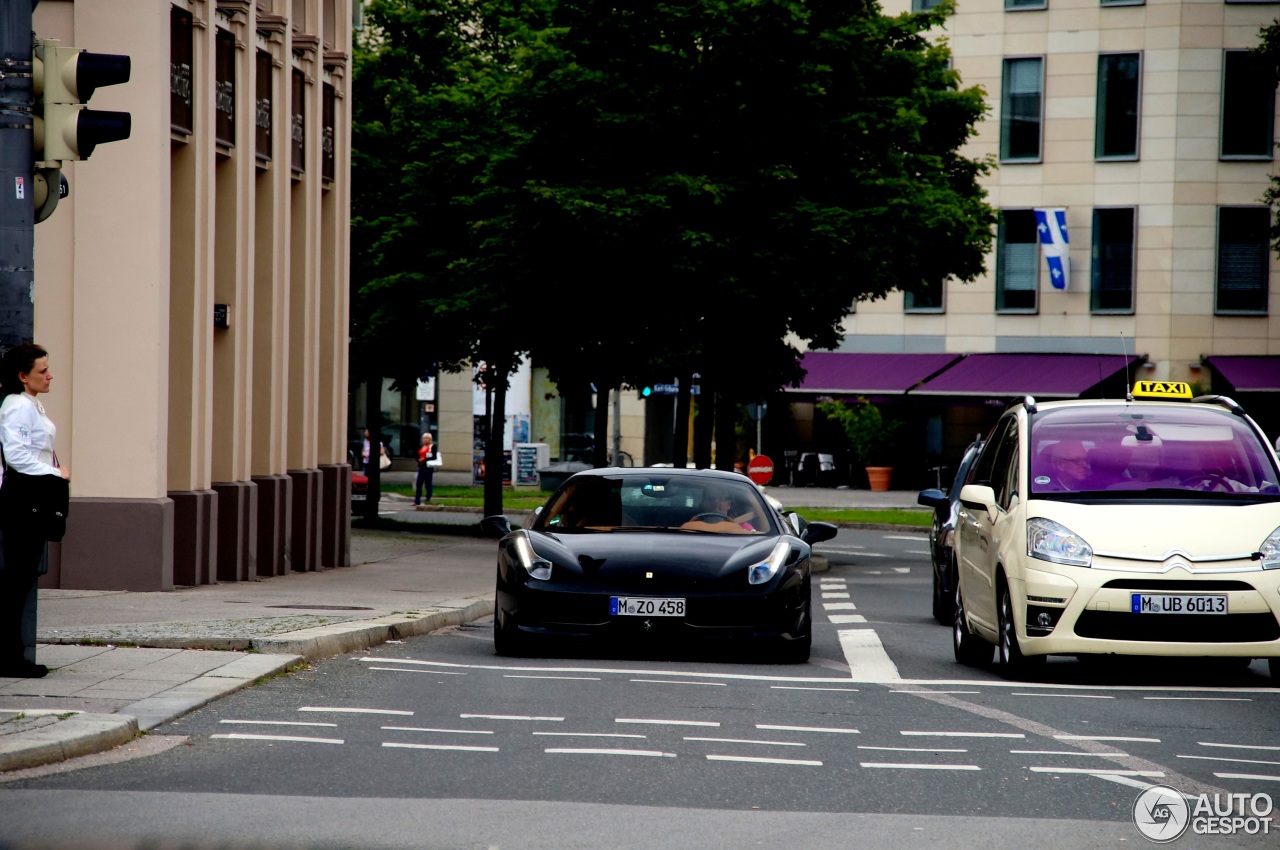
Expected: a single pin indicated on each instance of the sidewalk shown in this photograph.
(122, 663)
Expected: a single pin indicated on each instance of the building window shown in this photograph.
(923, 5)
(1243, 259)
(923, 299)
(263, 115)
(1113, 255)
(1128, 2)
(1248, 107)
(1017, 261)
(224, 96)
(1024, 5)
(328, 109)
(298, 127)
(181, 58)
(1021, 105)
(1119, 82)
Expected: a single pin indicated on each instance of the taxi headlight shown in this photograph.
(1270, 551)
(1050, 541)
(768, 568)
(537, 567)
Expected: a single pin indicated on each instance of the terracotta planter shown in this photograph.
(878, 477)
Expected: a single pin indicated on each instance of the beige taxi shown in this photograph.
(1146, 526)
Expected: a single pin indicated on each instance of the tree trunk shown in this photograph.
(726, 432)
(373, 424)
(704, 418)
(493, 459)
(684, 405)
(600, 454)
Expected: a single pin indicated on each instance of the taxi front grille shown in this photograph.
(1178, 628)
(1171, 585)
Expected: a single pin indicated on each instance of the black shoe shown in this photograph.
(23, 670)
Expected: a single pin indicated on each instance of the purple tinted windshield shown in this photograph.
(1194, 448)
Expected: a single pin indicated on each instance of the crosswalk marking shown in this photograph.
(843, 619)
(868, 662)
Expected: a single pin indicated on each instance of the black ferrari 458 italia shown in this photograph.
(653, 554)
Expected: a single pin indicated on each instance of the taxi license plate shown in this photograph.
(1178, 603)
(645, 606)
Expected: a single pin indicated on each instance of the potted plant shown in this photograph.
(870, 435)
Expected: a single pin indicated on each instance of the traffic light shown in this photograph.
(64, 80)
(645, 391)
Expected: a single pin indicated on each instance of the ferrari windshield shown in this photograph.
(652, 500)
(1165, 449)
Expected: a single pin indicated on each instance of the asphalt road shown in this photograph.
(880, 740)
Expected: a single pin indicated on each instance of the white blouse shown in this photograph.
(27, 434)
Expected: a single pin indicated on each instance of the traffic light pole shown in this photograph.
(17, 188)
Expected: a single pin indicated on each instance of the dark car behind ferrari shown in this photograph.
(945, 504)
(652, 555)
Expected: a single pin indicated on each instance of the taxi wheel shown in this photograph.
(1013, 663)
(969, 648)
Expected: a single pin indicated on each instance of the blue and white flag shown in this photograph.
(1052, 225)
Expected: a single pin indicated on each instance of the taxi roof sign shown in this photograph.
(1162, 389)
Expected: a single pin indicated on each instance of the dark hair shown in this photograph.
(18, 360)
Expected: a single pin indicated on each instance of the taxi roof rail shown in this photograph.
(1029, 403)
(1226, 401)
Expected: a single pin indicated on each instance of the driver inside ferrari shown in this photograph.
(721, 513)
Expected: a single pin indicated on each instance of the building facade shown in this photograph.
(192, 291)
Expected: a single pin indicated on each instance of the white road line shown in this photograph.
(909, 766)
(278, 722)
(865, 655)
(243, 736)
(445, 731)
(962, 734)
(592, 734)
(797, 762)
(912, 537)
(1064, 696)
(845, 619)
(657, 722)
(804, 688)
(431, 672)
(1238, 746)
(746, 741)
(567, 678)
(1131, 782)
(1066, 753)
(839, 606)
(1093, 771)
(776, 728)
(1236, 761)
(918, 552)
(914, 749)
(510, 717)
(835, 596)
(902, 570)
(588, 752)
(873, 555)
(452, 747)
(1260, 777)
(674, 682)
(933, 692)
(1106, 738)
(1205, 699)
(357, 710)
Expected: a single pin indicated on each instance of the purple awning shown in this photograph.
(1040, 375)
(848, 373)
(1248, 373)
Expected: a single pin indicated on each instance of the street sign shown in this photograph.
(760, 470)
(757, 409)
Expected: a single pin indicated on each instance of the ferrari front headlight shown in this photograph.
(1270, 551)
(537, 567)
(1053, 542)
(768, 568)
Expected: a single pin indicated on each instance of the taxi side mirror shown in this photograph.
(979, 497)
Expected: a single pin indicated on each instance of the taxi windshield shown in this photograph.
(1138, 449)
(653, 501)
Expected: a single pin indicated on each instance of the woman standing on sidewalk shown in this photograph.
(26, 437)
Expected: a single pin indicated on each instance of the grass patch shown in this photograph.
(888, 516)
(463, 496)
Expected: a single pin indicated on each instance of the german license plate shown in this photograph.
(1178, 603)
(645, 606)
(358, 497)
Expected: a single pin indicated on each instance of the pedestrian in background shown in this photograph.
(428, 459)
(26, 438)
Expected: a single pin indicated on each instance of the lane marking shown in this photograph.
(865, 654)
(453, 747)
(357, 710)
(842, 619)
(432, 672)
(913, 538)
(914, 749)
(1106, 738)
(279, 722)
(918, 552)
(933, 692)
(839, 606)
(510, 717)
(245, 736)
(568, 751)
(567, 678)
(806, 688)
(1236, 761)
(835, 596)
(902, 570)
(674, 682)
(1062, 696)
(755, 760)
(593, 734)
(909, 766)
(446, 731)
(1205, 699)
(657, 722)
(1260, 777)
(1066, 753)
(963, 734)
(1238, 746)
(777, 728)
(748, 741)
(1095, 771)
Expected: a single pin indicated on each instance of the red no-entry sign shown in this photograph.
(760, 470)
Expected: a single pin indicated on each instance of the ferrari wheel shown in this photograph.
(506, 636)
